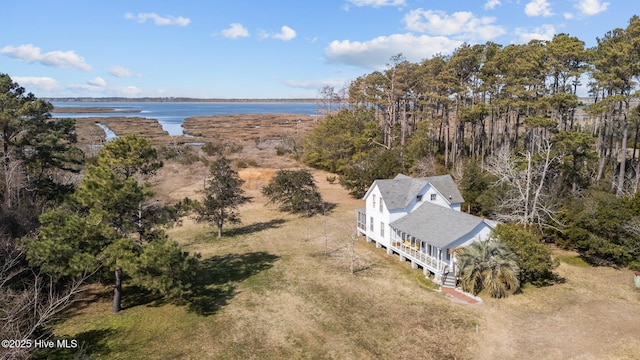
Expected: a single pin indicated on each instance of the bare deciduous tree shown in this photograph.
(526, 179)
(29, 301)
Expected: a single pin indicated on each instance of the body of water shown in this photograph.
(171, 115)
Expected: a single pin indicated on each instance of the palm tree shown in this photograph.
(489, 265)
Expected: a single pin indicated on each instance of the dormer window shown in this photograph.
(418, 198)
(433, 197)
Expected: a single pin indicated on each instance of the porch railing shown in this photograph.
(414, 253)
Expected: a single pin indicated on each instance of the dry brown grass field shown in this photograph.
(279, 286)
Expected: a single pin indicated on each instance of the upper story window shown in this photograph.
(418, 198)
(433, 197)
(374, 200)
(381, 204)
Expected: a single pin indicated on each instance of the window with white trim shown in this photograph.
(433, 197)
(381, 229)
(371, 223)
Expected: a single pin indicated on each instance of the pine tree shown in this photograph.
(223, 196)
(97, 228)
(294, 191)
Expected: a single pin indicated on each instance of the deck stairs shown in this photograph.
(449, 280)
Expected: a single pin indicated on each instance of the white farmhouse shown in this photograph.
(420, 220)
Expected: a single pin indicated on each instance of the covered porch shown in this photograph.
(362, 221)
(419, 252)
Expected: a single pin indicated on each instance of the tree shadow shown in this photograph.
(328, 207)
(255, 227)
(214, 283)
(87, 343)
(322, 208)
(133, 296)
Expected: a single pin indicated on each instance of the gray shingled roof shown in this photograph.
(445, 185)
(399, 191)
(436, 224)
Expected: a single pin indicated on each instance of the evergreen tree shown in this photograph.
(534, 258)
(97, 228)
(294, 191)
(340, 138)
(223, 196)
(34, 151)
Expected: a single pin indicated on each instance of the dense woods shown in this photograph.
(507, 123)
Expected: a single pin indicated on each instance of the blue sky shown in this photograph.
(261, 48)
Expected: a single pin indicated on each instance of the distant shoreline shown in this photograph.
(178, 99)
(93, 109)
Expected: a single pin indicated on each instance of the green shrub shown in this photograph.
(534, 258)
(212, 149)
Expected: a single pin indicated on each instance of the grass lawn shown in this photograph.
(278, 286)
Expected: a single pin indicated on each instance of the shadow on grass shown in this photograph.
(215, 280)
(323, 208)
(328, 207)
(255, 227)
(133, 296)
(81, 346)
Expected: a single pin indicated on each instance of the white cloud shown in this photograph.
(591, 7)
(122, 72)
(97, 81)
(377, 3)
(544, 32)
(286, 34)
(568, 15)
(40, 83)
(59, 59)
(235, 31)
(98, 86)
(375, 53)
(491, 4)
(158, 20)
(463, 24)
(538, 8)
